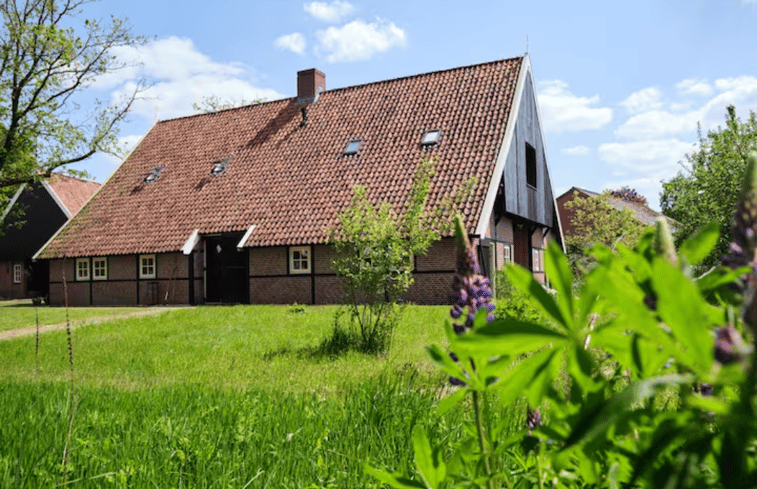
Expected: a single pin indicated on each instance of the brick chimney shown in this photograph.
(310, 84)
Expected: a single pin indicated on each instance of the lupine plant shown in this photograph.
(641, 377)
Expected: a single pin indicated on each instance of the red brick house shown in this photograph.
(234, 206)
(45, 207)
(641, 211)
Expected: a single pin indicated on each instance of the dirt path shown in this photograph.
(31, 331)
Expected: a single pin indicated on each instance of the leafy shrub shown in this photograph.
(678, 408)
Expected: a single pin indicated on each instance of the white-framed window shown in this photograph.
(82, 269)
(99, 269)
(18, 273)
(507, 253)
(299, 259)
(538, 259)
(146, 266)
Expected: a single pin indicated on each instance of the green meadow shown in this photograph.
(216, 397)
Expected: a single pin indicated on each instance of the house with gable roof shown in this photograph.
(638, 205)
(234, 206)
(43, 207)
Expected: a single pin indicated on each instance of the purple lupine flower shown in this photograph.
(729, 346)
(471, 291)
(533, 418)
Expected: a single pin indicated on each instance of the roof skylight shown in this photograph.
(353, 147)
(431, 137)
(154, 174)
(220, 166)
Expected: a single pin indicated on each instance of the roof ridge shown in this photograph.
(79, 179)
(350, 87)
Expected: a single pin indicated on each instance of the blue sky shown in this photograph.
(621, 85)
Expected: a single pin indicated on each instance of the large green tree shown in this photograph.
(708, 186)
(49, 56)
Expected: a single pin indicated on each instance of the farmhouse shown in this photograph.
(234, 206)
(617, 199)
(33, 215)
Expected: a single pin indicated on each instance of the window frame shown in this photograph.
(308, 260)
(537, 259)
(154, 266)
(18, 273)
(95, 268)
(82, 277)
(507, 253)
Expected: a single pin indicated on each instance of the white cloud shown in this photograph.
(564, 111)
(180, 76)
(694, 86)
(576, 150)
(649, 162)
(658, 157)
(359, 40)
(330, 12)
(657, 123)
(643, 100)
(294, 42)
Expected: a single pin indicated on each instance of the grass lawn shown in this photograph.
(218, 397)
(22, 313)
(240, 347)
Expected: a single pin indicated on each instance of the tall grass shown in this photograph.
(219, 397)
(241, 347)
(193, 436)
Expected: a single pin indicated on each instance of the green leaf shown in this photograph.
(595, 422)
(430, 465)
(450, 401)
(394, 480)
(525, 281)
(508, 337)
(532, 378)
(697, 247)
(718, 276)
(450, 367)
(682, 309)
(560, 275)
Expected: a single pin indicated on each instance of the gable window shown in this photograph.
(18, 272)
(99, 269)
(146, 266)
(530, 165)
(82, 269)
(353, 147)
(299, 259)
(430, 138)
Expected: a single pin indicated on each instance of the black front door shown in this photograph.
(226, 270)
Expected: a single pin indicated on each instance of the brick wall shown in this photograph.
(328, 289)
(9, 289)
(268, 261)
(114, 293)
(323, 256)
(281, 290)
(440, 257)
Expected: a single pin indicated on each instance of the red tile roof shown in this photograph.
(290, 181)
(72, 192)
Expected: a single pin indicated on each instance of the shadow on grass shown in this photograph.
(337, 344)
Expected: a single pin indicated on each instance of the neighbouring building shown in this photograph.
(234, 206)
(41, 208)
(641, 211)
